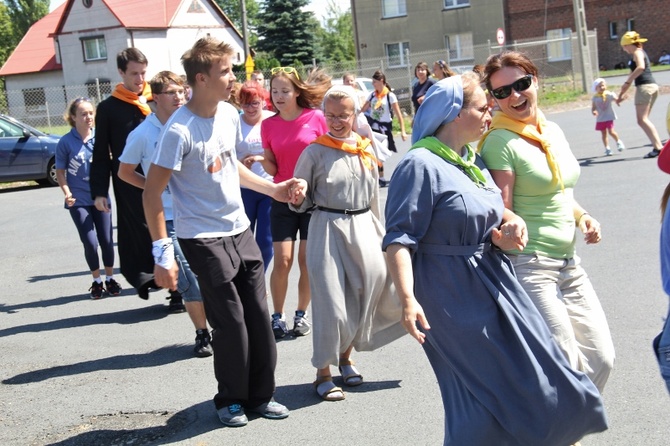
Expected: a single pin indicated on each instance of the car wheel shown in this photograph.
(51, 179)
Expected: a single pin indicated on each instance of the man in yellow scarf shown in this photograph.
(115, 118)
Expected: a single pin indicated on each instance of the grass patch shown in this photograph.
(55, 129)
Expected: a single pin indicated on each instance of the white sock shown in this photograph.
(97, 279)
(108, 278)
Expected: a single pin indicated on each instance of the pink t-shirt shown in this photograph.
(287, 139)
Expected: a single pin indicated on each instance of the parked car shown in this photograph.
(363, 84)
(26, 153)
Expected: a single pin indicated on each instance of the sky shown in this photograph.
(315, 5)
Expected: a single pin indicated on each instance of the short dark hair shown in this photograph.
(163, 79)
(130, 55)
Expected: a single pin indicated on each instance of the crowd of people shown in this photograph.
(216, 179)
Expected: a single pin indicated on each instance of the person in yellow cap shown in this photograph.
(646, 90)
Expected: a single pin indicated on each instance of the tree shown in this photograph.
(233, 10)
(23, 14)
(336, 38)
(286, 32)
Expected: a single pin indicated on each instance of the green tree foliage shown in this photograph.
(23, 13)
(336, 37)
(286, 32)
(233, 10)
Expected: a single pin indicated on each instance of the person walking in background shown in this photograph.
(285, 135)
(601, 108)
(115, 118)
(354, 303)
(503, 380)
(168, 92)
(196, 156)
(532, 164)
(646, 89)
(73, 167)
(259, 77)
(250, 151)
(350, 80)
(424, 82)
(379, 109)
(662, 341)
(441, 70)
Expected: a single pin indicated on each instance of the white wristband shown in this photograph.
(163, 252)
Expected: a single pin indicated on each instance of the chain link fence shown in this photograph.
(558, 60)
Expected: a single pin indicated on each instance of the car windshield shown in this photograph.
(31, 129)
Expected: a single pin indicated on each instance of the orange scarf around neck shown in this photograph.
(122, 93)
(380, 97)
(366, 157)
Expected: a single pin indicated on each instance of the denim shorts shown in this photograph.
(187, 283)
(662, 350)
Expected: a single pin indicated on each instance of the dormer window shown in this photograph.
(94, 48)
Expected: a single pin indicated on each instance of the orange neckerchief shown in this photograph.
(535, 133)
(121, 92)
(367, 158)
(380, 97)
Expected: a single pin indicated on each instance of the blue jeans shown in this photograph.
(187, 283)
(662, 350)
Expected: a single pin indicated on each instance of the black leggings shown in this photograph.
(94, 227)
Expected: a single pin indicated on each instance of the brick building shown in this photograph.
(526, 19)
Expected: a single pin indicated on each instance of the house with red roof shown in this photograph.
(71, 52)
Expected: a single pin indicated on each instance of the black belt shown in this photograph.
(344, 211)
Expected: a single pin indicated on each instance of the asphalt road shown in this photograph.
(120, 371)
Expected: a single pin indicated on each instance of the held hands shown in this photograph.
(512, 234)
(298, 192)
(590, 228)
(290, 191)
(411, 313)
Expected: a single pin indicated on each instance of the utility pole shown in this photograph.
(245, 32)
(583, 41)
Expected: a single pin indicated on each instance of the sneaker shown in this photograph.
(113, 287)
(271, 410)
(279, 327)
(301, 325)
(203, 344)
(232, 416)
(96, 290)
(608, 152)
(176, 303)
(653, 154)
(383, 182)
(619, 145)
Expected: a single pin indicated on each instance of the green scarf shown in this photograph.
(447, 153)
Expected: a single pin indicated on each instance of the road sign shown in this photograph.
(500, 36)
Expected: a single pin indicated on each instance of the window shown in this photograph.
(395, 54)
(94, 48)
(630, 25)
(613, 31)
(459, 46)
(559, 49)
(456, 3)
(34, 99)
(393, 8)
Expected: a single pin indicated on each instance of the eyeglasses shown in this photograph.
(173, 93)
(287, 70)
(338, 118)
(519, 85)
(253, 104)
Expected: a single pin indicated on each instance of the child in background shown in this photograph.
(601, 107)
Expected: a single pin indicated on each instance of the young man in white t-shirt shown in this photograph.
(196, 155)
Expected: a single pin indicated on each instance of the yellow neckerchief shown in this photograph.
(380, 97)
(535, 133)
(366, 157)
(601, 95)
(122, 93)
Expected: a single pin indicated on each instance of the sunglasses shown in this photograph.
(287, 70)
(441, 63)
(519, 85)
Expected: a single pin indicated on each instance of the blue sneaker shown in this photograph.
(232, 416)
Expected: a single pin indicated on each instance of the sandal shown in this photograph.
(350, 375)
(327, 390)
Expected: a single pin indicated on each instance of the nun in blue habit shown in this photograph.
(503, 379)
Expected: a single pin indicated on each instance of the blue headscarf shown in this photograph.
(442, 104)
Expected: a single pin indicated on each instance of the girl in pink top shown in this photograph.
(298, 122)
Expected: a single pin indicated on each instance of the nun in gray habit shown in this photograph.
(503, 379)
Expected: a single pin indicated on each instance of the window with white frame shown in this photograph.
(456, 3)
(630, 25)
(459, 46)
(393, 8)
(94, 48)
(395, 54)
(613, 31)
(559, 46)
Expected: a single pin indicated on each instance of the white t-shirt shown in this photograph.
(251, 144)
(140, 148)
(205, 182)
(383, 113)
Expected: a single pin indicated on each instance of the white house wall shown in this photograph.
(51, 82)
(96, 17)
